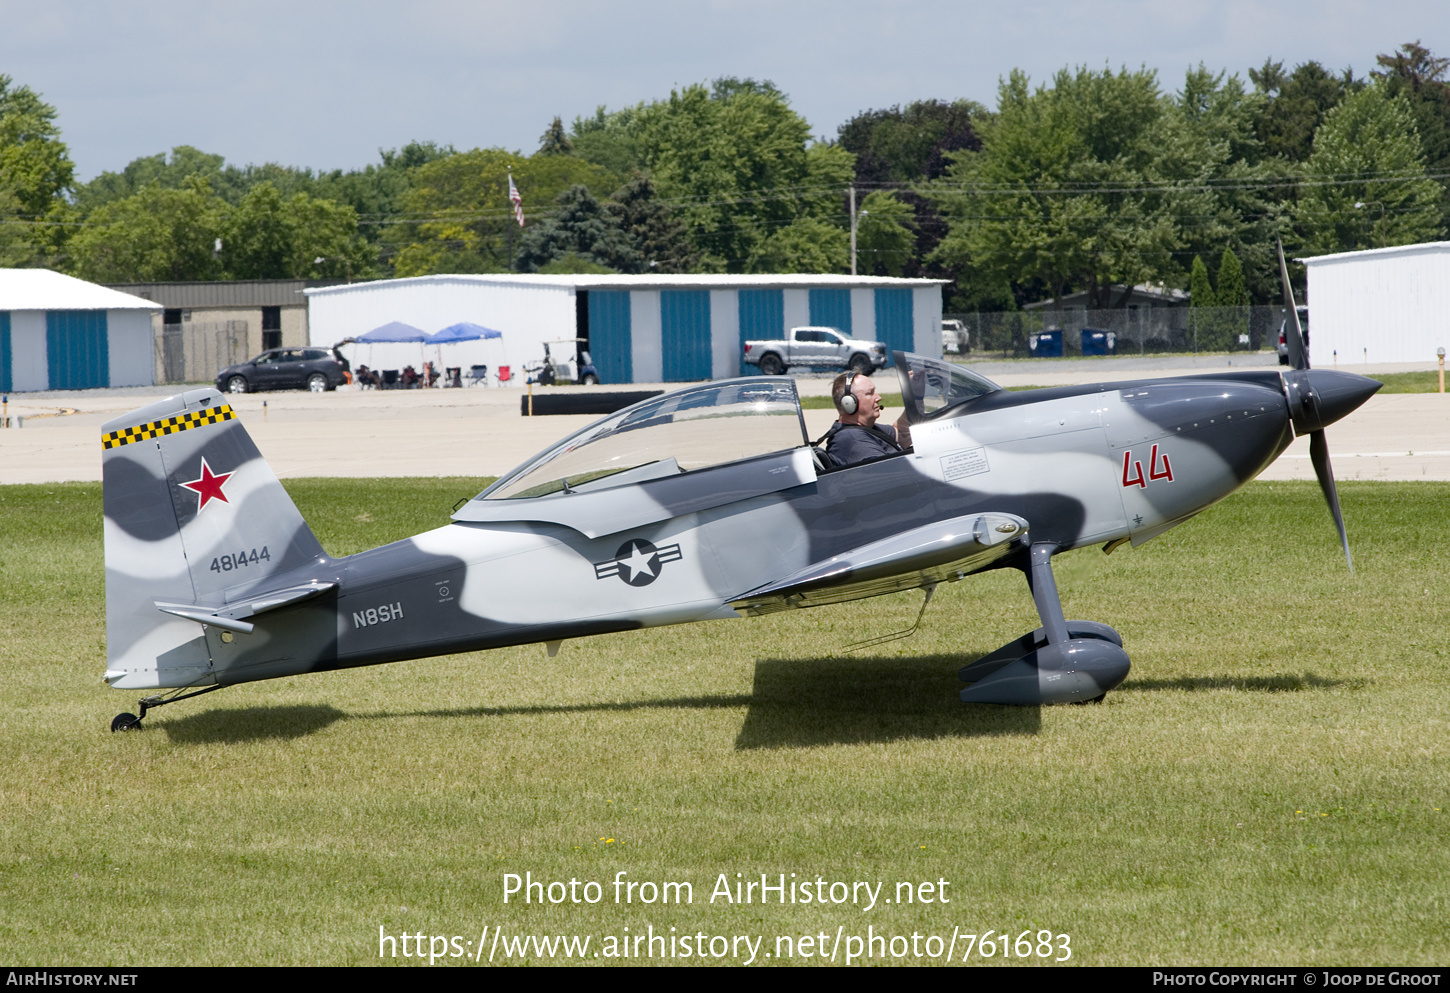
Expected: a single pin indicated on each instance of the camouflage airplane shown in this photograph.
(708, 502)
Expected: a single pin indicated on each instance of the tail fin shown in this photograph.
(195, 521)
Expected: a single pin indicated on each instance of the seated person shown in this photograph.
(410, 377)
(856, 437)
(366, 377)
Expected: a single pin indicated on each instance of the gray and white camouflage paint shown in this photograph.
(213, 578)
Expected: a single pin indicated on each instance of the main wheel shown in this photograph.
(125, 722)
(770, 365)
(237, 384)
(589, 379)
(860, 365)
(317, 383)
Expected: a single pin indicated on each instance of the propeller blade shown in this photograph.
(1319, 455)
(1293, 332)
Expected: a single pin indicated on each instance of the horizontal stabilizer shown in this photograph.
(924, 556)
(229, 618)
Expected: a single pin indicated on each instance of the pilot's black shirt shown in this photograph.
(852, 443)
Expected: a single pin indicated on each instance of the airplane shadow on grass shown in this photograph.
(841, 701)
(251, 724)
(793, 703)
(1282, 683)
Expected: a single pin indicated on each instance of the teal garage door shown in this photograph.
(685, 335)
(75, 349)
(610, 342)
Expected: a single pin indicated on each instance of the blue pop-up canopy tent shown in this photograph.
(462, 331)
(393, 331)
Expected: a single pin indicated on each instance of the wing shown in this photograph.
(935, 553)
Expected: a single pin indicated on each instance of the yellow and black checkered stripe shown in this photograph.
(171, 425)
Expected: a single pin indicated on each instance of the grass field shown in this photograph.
(1269, 786)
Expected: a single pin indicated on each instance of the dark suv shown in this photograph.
(312, 369)
(1283, 343)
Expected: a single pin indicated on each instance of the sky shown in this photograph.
(324, 85)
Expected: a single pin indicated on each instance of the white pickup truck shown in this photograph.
(819, 348)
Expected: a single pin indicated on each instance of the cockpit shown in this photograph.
(694, 428)
(712, 424)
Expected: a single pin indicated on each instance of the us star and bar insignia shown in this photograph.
(638, 562)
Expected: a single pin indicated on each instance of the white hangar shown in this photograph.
(62, 333)
(638, 329)
(1380, 305)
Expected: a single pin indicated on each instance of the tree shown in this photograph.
(1419, 77)
(807, 245)
(457, 216)
(374, 193)
(885, 239)
(898, 146)
(583, 229)
(1219, 187)
(35, 174)
(1225, 318)
(1365, 183)
(608, 141)
(1200, 289)
(734, 163)
(1297, 104)
(554, 141)
(653, 226)
(1061, 196)
(1231, 289)
(166, 173)
(269, 237)
(155, 235)
(734, 157)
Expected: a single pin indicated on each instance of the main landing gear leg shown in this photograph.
(1061, 662)
(132, 722)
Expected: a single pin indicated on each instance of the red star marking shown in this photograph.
(209, 486)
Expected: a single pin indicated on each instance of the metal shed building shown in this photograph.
(1380, 305)
(62, 333)
(638, 328)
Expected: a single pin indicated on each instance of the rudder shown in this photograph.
(195, 519)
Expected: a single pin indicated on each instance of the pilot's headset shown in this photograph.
(849, 404)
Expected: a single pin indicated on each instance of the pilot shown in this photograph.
(856, 437)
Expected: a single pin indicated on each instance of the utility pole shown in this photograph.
(853, 230)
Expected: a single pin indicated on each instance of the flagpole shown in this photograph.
(517, 202)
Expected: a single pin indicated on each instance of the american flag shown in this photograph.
(516, 200)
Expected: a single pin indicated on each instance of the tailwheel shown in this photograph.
(132, 722)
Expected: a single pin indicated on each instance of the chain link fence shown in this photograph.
(195, 352)
(1134, 331)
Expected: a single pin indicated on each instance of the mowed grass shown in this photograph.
(1269, 786)
(1410, 382)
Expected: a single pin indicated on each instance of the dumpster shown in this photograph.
(1095, 342)
(1045, 345)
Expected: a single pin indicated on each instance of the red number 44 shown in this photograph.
(1154, 473)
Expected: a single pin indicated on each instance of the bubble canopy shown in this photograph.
(690, 429)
